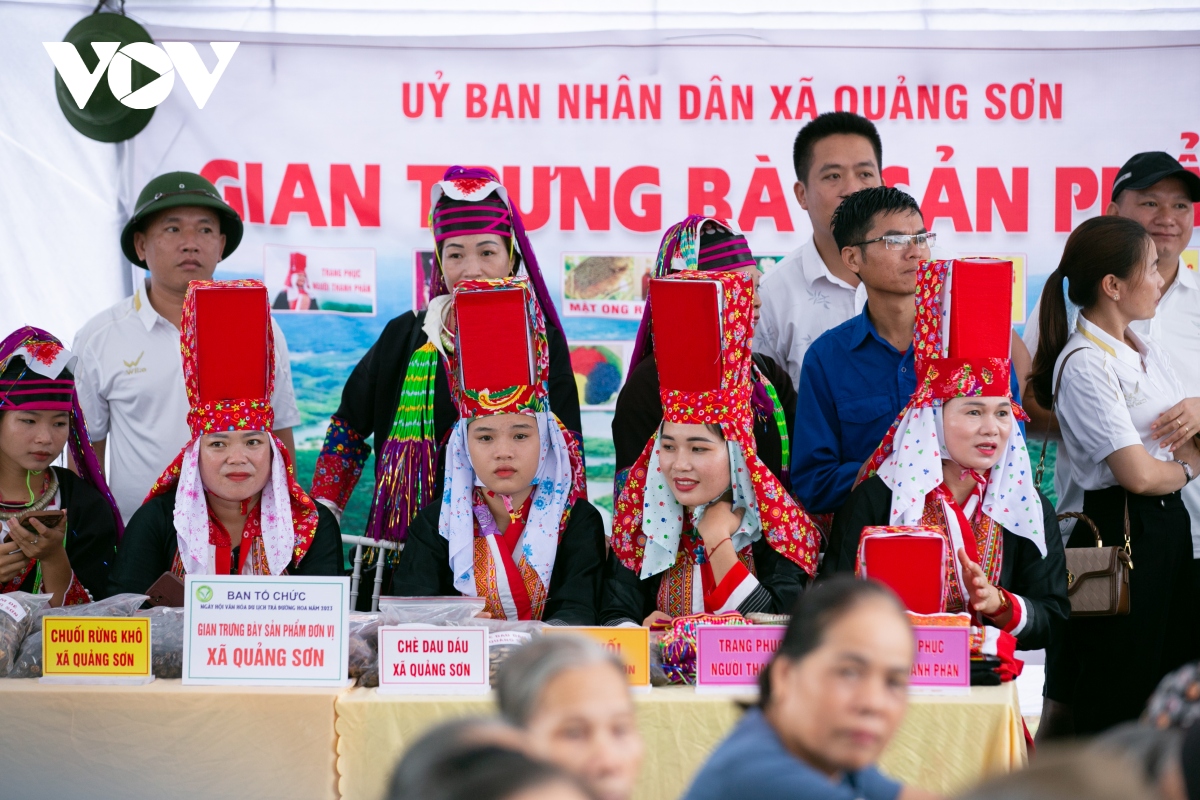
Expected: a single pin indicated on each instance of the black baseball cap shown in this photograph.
(1146, 169)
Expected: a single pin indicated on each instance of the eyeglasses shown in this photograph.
(902, 241)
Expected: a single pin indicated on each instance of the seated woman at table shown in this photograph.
(513, 525)
(707, 245)
(39, 414)
(956, 462)
(229, 504)
(702, 525)
(571, 700)
(830, 700)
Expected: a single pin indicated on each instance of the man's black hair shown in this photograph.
(831, 124)
(853, 218)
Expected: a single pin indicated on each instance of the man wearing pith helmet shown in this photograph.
(131, 373)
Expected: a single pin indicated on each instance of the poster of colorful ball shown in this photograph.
(599, 372)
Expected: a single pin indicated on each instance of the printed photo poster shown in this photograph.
(768, 263)
(606, 286)
(424, 268)
(599, 369)
(330, 280)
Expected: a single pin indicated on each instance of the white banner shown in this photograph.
(329, 148)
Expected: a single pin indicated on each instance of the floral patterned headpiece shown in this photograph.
(243, 401)
(785, 525)
(522, 347)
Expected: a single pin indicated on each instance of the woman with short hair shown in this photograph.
(571, 700)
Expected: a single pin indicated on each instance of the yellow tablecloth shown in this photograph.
(949, 743)
(165, 740)
(945, 743)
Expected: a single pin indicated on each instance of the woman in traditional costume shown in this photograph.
(399, 392)
(708, 245)
(956, 463)
(702, 526)
(513, 525)
(39, 415)
(295, 296)
(229, 504)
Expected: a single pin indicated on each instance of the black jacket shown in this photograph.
(91, 540)
(372, 391)
(1042, 582)
(574, 591)
(627, 598)
(149, 546)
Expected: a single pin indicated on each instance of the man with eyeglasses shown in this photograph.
(130, 379)
(857, 377)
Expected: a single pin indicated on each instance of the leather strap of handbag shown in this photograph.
(1097, 577)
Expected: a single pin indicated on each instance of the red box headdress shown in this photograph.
(501, 365)
(228, 348)
(702, 341)
(961, 345)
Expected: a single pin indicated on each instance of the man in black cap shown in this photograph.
(130, 379)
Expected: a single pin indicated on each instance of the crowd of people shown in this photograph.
(830, 700)
(861, 383)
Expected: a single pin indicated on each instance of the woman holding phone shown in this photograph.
(58, 530)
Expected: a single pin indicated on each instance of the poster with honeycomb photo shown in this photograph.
(606, 286)
(599, 369)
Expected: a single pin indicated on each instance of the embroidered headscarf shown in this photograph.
(961, 349)
(463, 203)
(36, 374)
(228, 348)
(501, 365)
(707, 244)
(647, 520)
(473, 201)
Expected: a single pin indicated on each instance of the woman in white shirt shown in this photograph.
(1108, 386)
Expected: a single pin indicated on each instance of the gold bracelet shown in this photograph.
(1005, 603)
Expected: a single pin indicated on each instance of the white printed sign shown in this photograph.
(272, 631)
(427, 659)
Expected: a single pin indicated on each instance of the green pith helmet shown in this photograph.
(103, 117)
(177, 189)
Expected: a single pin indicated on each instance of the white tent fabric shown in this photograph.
(61, 197)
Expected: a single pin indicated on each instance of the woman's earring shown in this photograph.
(1116, 297)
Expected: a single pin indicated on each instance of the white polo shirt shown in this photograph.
(1108, 397)
(1175, 328)
(130, 384)
(801, 299)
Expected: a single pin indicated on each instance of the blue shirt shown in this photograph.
(752, 764)
(853, 385)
